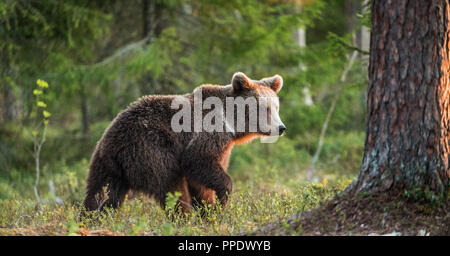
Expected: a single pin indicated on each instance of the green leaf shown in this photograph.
(42, 83)
(46, 114)
(41, 104)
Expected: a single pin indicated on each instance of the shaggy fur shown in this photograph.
(140, 152)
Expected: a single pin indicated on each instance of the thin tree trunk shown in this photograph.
(363, 34)
(407, 134)
(37, 155)
(351, 9)
(316, 156)
(36, 181)
(146, 18)
(9, 104)
(84, 113)
(158, 21)
(300, 37)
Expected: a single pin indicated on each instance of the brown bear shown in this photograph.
(141, 151)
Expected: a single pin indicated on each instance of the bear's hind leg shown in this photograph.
(105, 184)
(116, 193)
(184, 201)
(112, 194)
(94, 190)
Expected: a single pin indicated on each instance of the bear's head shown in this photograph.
(260, 101)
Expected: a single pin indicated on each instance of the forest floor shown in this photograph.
(384, 214)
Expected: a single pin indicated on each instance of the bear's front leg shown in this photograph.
(223, 187)
(209, 173)
(224, 191)
(200, 194)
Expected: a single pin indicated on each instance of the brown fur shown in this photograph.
(140, 152)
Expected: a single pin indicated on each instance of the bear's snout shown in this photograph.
(281, 129)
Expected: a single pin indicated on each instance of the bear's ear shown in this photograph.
(276, 83)
(240, 82)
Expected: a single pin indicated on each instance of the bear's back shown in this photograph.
(144, 123)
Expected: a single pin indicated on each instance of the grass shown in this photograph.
(248, 210)
(263, 194)
(269, 186)
(270, 197)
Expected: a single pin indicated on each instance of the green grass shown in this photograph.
(249, 209)
(269, 186)
(261, 195)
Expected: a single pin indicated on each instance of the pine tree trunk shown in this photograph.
(407, 136)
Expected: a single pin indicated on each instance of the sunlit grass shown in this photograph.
(269, 186)
(249, 209)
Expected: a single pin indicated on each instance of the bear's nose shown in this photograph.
(281, 129)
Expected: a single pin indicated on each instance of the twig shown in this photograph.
(354, 48)
(315, 158)
(351, 47)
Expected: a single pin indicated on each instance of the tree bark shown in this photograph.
(407, 134)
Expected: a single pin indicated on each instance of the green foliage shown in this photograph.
(171, 200)
(157, 57)
(43, 38)
(425, 196)
(365, 16)
(98, 61)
